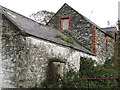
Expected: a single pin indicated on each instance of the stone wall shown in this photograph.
(104, 50)
(13, 47)
(110, 47)
(49, 50)
(0, 50)
(81, 30)
(25, 58)
(41, 51)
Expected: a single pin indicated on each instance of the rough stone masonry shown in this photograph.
(26, 50)
(25, 58)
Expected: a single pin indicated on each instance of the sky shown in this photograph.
(98, 11)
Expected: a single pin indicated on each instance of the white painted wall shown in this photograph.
(54, 50)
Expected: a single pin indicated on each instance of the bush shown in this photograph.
(88, 70)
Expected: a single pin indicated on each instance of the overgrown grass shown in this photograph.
(67, 39)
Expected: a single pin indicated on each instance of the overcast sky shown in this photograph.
(99, 11)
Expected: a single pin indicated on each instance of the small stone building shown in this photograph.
(27, 48)
(84, 31)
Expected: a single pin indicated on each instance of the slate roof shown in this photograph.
(35, 29)
(110, 31)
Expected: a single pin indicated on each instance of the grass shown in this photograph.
(67, 39)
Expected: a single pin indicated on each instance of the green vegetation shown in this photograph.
(117, 57)
(88, 70)
(67, 39)
(47, 83)
(52, 80)
(67, 32)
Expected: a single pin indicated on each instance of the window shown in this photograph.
(64, 22)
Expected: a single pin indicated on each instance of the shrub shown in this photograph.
(88, 70)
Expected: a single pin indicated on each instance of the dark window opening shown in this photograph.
(115, 37)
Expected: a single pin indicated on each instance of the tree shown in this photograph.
(42, 16)
(118, 54)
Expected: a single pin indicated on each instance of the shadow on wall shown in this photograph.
(55, 71)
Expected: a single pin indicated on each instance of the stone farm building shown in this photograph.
(85, 32)
(27, 47)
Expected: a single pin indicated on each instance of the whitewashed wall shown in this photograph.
(49, 49)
